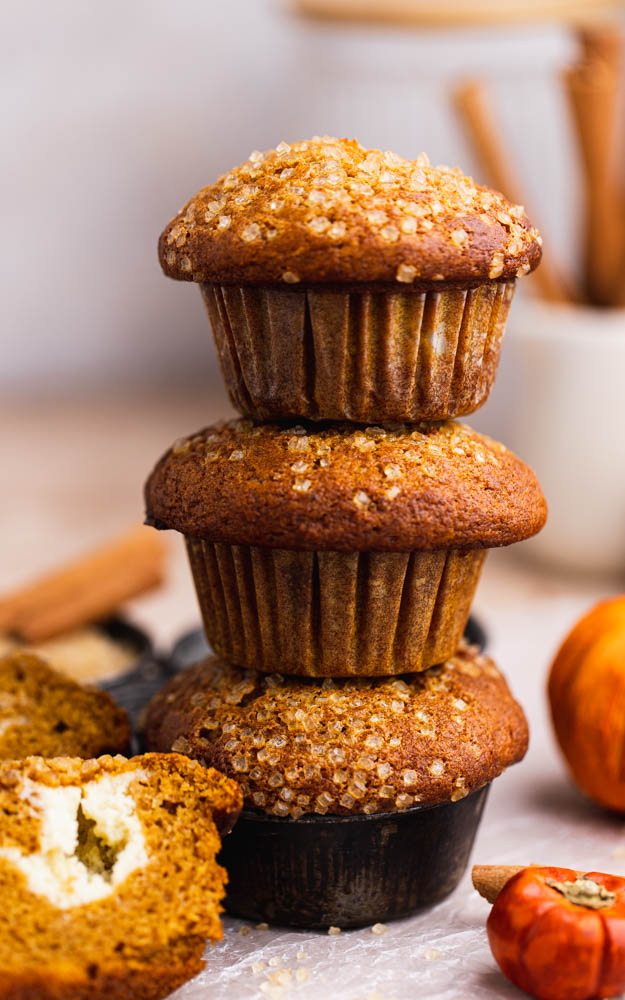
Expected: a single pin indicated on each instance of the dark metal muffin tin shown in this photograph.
(348, 871)
(134, 688)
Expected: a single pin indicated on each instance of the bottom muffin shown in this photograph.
(407, 759)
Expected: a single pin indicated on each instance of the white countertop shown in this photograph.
(72, 477)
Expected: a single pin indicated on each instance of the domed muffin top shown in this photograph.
(330, 211)
(345, 488)
(344, 746)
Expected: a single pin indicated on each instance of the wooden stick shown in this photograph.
(471, 103)
(489, 880)
(433, 13)
(87, 590)
(603, 43)
(593, 92)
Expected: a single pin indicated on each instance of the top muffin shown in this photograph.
(330, 211)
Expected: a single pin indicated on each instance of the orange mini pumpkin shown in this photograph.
(587, 696)
(560, 936)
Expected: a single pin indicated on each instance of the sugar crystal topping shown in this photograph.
(303, 458)
(335, 191)
(347, 745)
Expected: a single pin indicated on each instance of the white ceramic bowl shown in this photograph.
(565, 416)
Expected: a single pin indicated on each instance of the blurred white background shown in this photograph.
(116, 113)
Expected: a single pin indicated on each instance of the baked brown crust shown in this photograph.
(329, 211)
(345, 746)
(44, 713)
(340, 488)
(148, 935)
(170, 968)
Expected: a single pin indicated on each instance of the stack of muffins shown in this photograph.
(337, 531)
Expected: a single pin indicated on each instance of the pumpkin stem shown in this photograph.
(584, 892)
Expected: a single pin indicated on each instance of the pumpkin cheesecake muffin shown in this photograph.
(376, 783)
(339, 550)
(108, 869)
(347, 283)
(344, 746)
(45, 713)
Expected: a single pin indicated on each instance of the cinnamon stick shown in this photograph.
(89, 589)
(471, 103)
(604, 43)
(593, 92)
(489, 880)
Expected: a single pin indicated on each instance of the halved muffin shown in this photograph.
(108, 869)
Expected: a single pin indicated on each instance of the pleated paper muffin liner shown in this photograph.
(333, 614)
(368, 356)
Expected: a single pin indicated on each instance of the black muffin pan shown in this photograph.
(134, 688)
(348, 871)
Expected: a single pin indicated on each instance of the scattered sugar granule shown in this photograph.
(273, 991)
(432, 954)
(379, 929)
(282, 977)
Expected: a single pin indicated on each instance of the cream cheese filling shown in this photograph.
(91, 839)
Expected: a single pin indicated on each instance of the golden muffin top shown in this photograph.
(345, 488)
(330, 211)
(298, 745)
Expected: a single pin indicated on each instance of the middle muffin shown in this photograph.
(338, 551)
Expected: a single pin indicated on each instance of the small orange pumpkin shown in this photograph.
(587, 697)
(559, 936)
